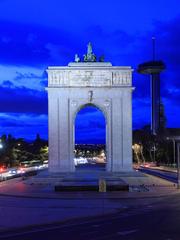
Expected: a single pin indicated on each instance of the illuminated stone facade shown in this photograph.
(100, 84)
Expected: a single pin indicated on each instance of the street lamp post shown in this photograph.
(154, 152)
(1, 146)
(178, 165)
(174, 152)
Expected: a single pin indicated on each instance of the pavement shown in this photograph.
(164, 168)
(24, 203)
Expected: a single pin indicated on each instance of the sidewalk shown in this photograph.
(166, 169)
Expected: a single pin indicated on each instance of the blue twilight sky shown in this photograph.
(36, 34)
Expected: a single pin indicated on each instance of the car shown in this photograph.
(80, 160)
(13, 171)
(25, 164)
(21, 170)
(150, 164)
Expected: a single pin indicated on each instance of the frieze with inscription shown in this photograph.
(87, 78)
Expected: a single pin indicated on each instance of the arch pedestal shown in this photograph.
(106, 87)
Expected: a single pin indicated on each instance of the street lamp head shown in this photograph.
(174, 138)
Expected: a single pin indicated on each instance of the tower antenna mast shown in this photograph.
(153, 47)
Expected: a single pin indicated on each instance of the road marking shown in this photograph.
(124, 233)
(88, 233)
(59, 226)
(107, 236)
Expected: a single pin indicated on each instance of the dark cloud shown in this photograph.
(169, 47)
(32, 45)
(89, 124)
(141, 112)
(90, 136)
(39, 46)
(42, 79)
(23, 125)
(44, 83)
(7, 84)
(172, 95)
(29, 75)
(104, 38)
(23, 100)
(8, 123)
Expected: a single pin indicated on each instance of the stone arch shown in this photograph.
(107, 87)
(83, 105)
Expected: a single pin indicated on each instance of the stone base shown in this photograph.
(65, 186)
(86, 180)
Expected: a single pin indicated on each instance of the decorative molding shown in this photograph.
(121, 78)
(89, 78)
(73, 103)
(107, 103)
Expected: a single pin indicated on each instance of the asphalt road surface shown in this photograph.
(155, 220)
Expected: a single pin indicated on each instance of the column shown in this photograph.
(127, 129)
(65, 147)
(116, 135)
(53, 133)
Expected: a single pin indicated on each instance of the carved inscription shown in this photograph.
(88, 78)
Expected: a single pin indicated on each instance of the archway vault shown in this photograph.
(90, 127)
(98, 84)
(75, 107)
(91, 104)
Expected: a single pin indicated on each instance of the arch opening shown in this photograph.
(90, 138)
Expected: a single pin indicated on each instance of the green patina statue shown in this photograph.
(89, 56)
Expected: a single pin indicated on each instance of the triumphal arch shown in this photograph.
(90, 82)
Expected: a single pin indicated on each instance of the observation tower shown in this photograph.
(154, 68)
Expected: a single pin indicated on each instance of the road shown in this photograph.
(146, 219)
(157, 220)
(10, 173)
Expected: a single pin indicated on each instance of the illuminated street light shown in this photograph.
(1, 146)
(176, 140)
